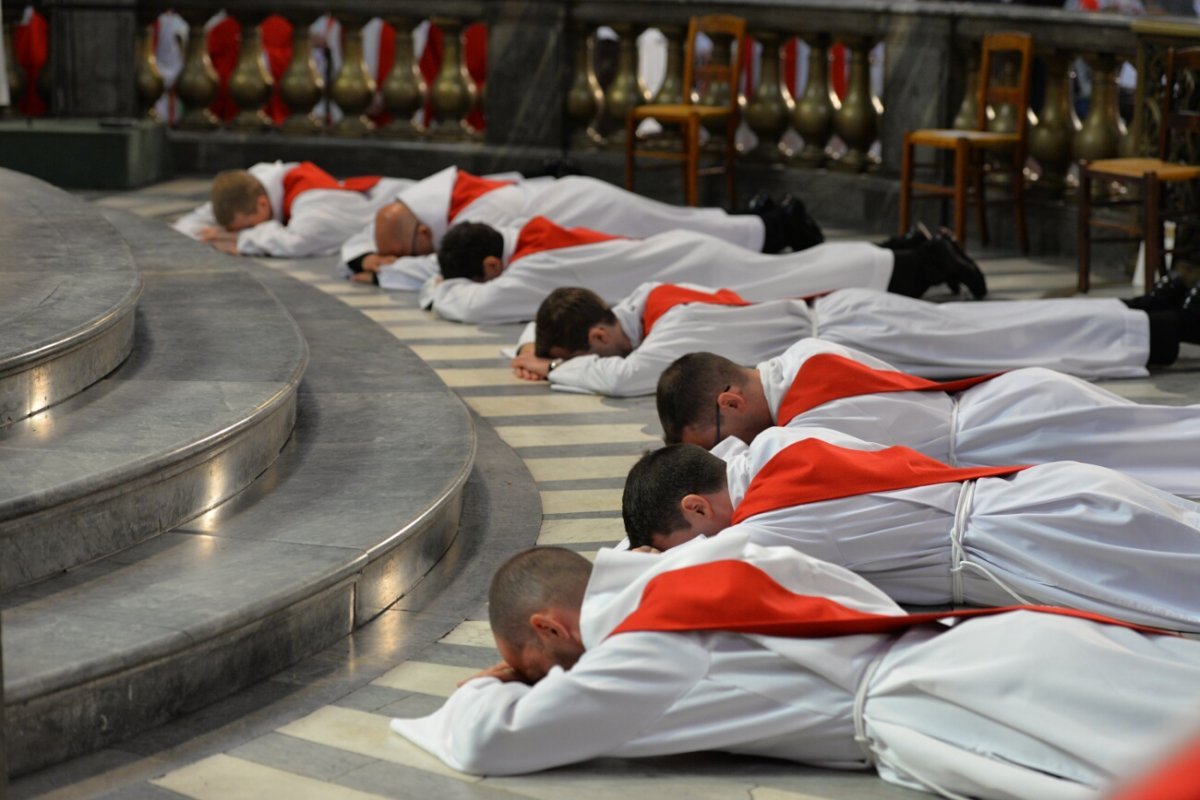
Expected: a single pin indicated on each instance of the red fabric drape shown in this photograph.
(665, 297)
(540, 235)
(223, 41)
(31, 49)
(277, 43)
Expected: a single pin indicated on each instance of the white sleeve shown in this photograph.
(306, 234)
(528, 335)
(191, 223)
(491, 303)
(629, 376)
(408, 274)
(612, 695)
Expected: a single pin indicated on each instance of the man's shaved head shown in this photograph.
(398, 232)
(533, 581)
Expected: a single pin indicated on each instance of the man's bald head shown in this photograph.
(530, 593)
(398, 232)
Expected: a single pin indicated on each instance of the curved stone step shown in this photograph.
(70, 291)
(199, 409)
(363, 501)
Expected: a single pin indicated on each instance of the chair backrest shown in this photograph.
(730, 73)
(991, 93)
(1179, 62)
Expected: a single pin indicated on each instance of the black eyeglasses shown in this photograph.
(412, 246)
(717, 410)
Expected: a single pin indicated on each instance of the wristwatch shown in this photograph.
(555, 363)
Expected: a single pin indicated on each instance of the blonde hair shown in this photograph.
(235, 191)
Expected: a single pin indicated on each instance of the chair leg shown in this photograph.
(630, 130)
(731, 162)
(693, 162)
(1018, 191)
(1084, 244)
(1152, 227)
(978, 175)
(906, 169)
(961, 163)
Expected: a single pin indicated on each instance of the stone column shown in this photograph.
(3, 742)
(857, 121)
(404, 88)
(813, 115)
(770, 109)
(585, 97)
(626, 90)
(91, 71)
(198, 83)
(528, 57)
(150, 83)
(451, 90)
(1050, 140)
(353, 87)
(251, 83)
(301, 86)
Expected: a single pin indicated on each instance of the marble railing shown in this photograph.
(830, 83)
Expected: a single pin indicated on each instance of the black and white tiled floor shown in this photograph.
(329, 737)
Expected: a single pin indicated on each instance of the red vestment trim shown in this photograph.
(665, 297)
(540, 235)
(738, 597)
(812, 470)
(467, 189)
(826, 377)
(307, 176)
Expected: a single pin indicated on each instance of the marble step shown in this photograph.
(363, 501)
(70, 292)
(198, 410)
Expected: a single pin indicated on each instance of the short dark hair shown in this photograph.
(565, 317)
(686, 390)
(465, 246)
(656, 484)
(532, 581)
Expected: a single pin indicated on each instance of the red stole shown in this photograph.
(467, 189)
(827, 377)
(540, 235)
(308, 175)
(1177, 778)
(665, 297)
(738, 597)
(812, 470)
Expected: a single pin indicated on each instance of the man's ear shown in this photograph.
(598, 336)
(492, 268)
(731, 399)
(695, 505)
(547, 626)
(262, 205)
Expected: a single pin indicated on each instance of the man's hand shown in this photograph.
(375, 261)
(528, 366)
(210, 233)
(526, 348)
(500, 671)
(226, 245)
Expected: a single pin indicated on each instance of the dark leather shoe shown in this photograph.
(761, 203)
(803, 231)
(957, 267)
(914, 238)
(1169, 294)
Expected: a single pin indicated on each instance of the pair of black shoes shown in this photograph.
(787, 223)
(1170, 293)
(941, 259)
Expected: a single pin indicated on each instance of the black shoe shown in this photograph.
(760, 203)
(948, 264)
(916, 236)
(803, 231)
(1170, 293)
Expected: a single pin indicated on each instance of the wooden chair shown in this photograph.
(690, 116)
(1149, 175)
(972, 147)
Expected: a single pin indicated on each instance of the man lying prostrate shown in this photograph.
(724, 645)
(1027, 416)
(286, 209)
(496, 276)
(397, 250)
(578, 342)
(926, 533)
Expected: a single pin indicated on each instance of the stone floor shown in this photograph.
(320, 730)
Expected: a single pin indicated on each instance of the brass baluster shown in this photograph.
(301, 86)
(1100, 134)
(626, 90)
(198, 83)
(968, 111)
(1050, 140)
(857, 121)
(353, 88)
(671, 91)
(813, 115)
(585, 96)
(716, 92)
(251, 83)
(451, 92)
(769, 110)
(147, 78)
(404, 87)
